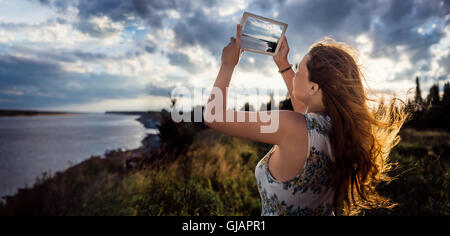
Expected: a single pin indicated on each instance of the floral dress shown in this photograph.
(310, 192)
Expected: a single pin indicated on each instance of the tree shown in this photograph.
(247, 107)
(418, 98)
(268, 106)
(286, 104)
(446, 97)
(175, 137)
(433, 96)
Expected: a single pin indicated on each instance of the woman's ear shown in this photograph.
(313, 88)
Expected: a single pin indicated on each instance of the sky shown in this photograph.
(99, 55)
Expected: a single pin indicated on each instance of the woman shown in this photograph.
(332, 150)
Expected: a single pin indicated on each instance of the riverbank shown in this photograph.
(150, 120)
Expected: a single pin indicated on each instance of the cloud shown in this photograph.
(5, 36)
(48, 32)
(33, 83)
(61, 5)
(182, 60)
(399, 24)
(150, 11)
(201, 29)
(100, 27)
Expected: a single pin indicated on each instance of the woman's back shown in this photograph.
(310, 192)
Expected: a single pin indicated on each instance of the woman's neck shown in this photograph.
(316, 109)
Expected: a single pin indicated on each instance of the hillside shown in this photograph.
(215, 176)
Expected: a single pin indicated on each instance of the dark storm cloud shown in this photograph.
(445, 63)
(264, 5)
(325, 15)
(60, 5)
(69, 55)
(201, 29)
(181, 59)
(400, 22)
(29, 83)
(151, 12)
(407, 12)
(159, 91)
(311, 20)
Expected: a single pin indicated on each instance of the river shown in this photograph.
(30, 146)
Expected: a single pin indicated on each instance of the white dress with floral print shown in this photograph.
(310, 192)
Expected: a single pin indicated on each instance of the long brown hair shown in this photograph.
(362, 135)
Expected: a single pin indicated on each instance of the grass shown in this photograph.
(215, 176)
(422, 178)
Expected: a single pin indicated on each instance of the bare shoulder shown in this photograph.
(293, 115)
(293, 125)
(290, 154)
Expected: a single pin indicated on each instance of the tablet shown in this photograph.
(260, 34)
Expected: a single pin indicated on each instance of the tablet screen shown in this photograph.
(260, 34)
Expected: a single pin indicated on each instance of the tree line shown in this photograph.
(432, 112)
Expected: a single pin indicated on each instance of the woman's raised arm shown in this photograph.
(272, 127)
(281, 59)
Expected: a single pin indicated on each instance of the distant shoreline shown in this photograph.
(149, 119)
(27, 113)
(274, 42)
(19, 113)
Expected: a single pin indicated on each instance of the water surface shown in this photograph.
(30, 146)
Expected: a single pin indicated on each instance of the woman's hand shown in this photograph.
(281, 58)
(232, 52)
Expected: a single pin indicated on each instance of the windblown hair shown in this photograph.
(362, 136)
